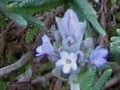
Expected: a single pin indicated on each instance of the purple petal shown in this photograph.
(45, 38)
(70, 25)
(72, 15)
(102, 52)
(99, 62)
(98, 56)
(63, 25)
(47, 48)
(99, 51)
(77, 29)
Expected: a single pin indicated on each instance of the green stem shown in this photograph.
(74, 86)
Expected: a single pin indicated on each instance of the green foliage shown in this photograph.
(47, 5)
(2, 84)
(103, 79)
(90, 14)
(115, 46)
(22, 11)
(26, 3)
(17, 18)
(14, 16)
(30, 35)
(87, 79)
(17, 10)
(2, 21)
(111, 65)
(34, 21)
(113, 1)
(117, 16)
(9, 56)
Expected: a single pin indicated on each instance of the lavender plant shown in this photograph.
(76, 57)
(71, 59)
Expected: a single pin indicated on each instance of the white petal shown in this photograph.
(64, 54)
(39, 49)
(60, 63)
(66, 69)
(73, 57)
(74, 66)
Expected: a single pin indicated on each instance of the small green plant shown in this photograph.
(72, 49)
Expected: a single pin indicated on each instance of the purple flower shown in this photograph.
(45, 48)
(98, 56)
(68, 62)
(69, 25)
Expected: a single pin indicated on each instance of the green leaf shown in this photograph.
(113, 1)
(118, 31)
(115, 46)
(2, 84)
(111, 65)
(115, 43)
(46, 5)
(33, 20)
(90, 15)
(17, 18)
(114, 38)
(30, 35)
(103, 79)
(86, 80)
(2, 21)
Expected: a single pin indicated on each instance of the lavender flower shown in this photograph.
(45, 48)
(68, 62)
(70, 27)
(98, 56)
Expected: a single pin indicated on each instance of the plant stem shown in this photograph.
(74, 86)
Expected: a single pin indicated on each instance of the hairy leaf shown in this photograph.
(103, 79)
(87, 79)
